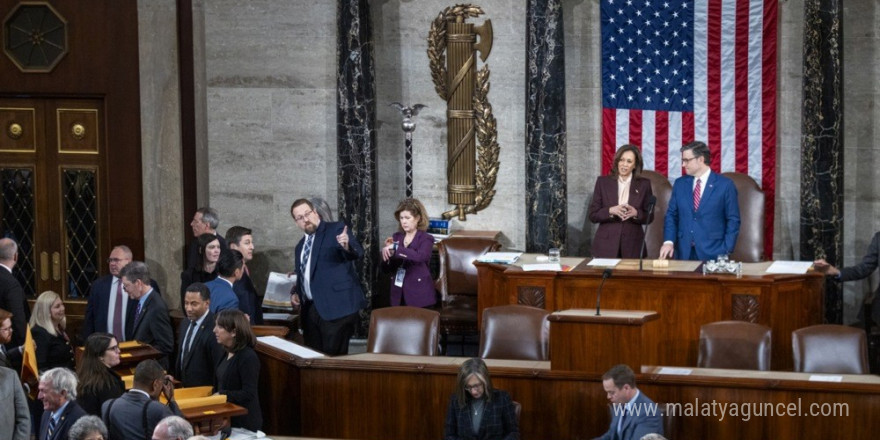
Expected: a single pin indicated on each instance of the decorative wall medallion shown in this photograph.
(78, 131)
(35, 36)
(15, 131)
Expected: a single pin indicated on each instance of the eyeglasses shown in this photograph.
(478, 386)
(113, 348)
(6, 329)
(685, 161)
(303, 217)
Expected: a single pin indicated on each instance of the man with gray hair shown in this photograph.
(152, 324)
(60, 410)
(205, 221)
(173, 428)
(12, 297)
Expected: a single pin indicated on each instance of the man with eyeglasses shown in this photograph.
(109, 309)
(702, 221)
(9, 358)
(328, 289)
(151, 322)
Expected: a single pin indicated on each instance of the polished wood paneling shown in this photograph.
(614, 331)
(684, 300)
(372, 396)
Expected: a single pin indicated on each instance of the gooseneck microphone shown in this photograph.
(605, 275)
(651, 202)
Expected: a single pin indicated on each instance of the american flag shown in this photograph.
(678, 70)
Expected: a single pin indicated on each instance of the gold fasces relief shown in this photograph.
(452, 47)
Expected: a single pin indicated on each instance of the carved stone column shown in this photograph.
(356, 135)
(545, 127)
(822, 144)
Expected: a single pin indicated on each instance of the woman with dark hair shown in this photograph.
(48, 328)
(477, 410)
(621, 205)
(97, 380)
(238, 373)
(206, 270)
(406, 255)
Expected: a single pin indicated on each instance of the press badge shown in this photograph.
(398, 279)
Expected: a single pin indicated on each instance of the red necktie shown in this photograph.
(697, 194)
(117, 314)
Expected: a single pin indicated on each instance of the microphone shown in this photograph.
(605, 275)
(651, 202)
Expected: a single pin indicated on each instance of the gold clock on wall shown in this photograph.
(35, 36)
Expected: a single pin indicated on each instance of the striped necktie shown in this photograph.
(697, 194)
(307, 251)
(51, 430)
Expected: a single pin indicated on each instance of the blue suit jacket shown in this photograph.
(72, 413)
(222, 295)
(336, 289)
(99, 302)
(713, 228)
(644, 419)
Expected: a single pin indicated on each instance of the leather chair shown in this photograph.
(404, 330)
(457, 284)
(515, 332)
(734, 344)
(662, 189)
(831, 349)
(750, 242)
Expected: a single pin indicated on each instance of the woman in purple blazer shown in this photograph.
(620, 207)
(406, 256)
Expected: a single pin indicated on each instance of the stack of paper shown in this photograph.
(499, 257)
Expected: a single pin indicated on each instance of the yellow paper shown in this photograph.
(129, 344)
(196, 402)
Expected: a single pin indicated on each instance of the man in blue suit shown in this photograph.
(327, 288)
(702, 221)
(633, 414)
(229, 269)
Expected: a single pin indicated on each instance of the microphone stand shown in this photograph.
(651, 202)
(605, 275)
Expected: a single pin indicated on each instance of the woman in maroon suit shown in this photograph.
(406, 256)
(620, 207)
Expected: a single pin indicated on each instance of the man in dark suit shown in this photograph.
(240, 239)
(198, 351)
(60, 410)
(9, 358)
(229, 269)
(328, 288)
(205, 221)
(134, 416)
(702, 221)
(152, 325)
(634, 415)
(12, 297)
(109, 309)
(857, 272)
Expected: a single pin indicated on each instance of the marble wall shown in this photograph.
(269, 111)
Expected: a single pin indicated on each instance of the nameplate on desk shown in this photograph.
(675, 371)
(825, 378)
(290, 347)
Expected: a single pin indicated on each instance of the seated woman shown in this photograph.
(97, 380)
(406, 256)
(477, 410)
(238, 374)
(621, 206)
(206, 270)
(88, 428)
(48, 324)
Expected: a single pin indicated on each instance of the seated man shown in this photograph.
(136, 414)
(634, 415)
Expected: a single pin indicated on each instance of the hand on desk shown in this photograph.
(666, 251)
(823, 266)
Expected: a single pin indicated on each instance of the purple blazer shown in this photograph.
(418, 287)
(616, 238)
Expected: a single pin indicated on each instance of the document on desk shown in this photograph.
(555, 267)
(604, 262)
(675, 371)
(278, 289)
(290, 347)
(789, 267)
(499, 257)
(825, 378)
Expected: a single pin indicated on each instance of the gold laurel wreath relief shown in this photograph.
(487, 150)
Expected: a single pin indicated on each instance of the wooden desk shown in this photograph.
(371, 396)
(685, 300)
(129, 357)
(209, 420)
(609, 332)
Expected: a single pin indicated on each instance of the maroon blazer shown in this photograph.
(418, 287)
(616, 238)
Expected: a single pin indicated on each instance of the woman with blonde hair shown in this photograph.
(476, 409)
(406, 256)
(48, 328)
